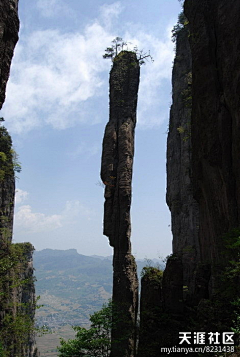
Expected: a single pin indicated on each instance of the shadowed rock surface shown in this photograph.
(9, 27)
(116, 174)
(184, 208)
(151, 307)
(202, 276)
(203, 143)
(215, 44)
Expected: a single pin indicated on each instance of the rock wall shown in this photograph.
(17, 294)
(203, 146)
(151, 307)
(215, 43)
(9, 27)
(202, 168)
(7, 188)
(116, 174)
(203, 188)
(17, 301)
(184, 208)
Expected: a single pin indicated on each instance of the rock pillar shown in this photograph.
(116, 174)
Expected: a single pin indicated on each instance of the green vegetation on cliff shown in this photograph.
(95, 341)
(9, 163)
(16, 298)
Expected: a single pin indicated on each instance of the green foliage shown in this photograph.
(231, 275)
(187, 92)
(17, 322)
(119, 47)
(222, 312)
(152, 273)
(185, 132)
(181, 23)
(231, 263)
(15, 332)
(9, 163)
(15, 162)
(172, 256)
(91, 342)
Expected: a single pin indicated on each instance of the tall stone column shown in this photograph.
(116, 174)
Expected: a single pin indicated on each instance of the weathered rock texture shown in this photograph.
(151, 307)
(17, 296)
(9, 27)
(215, 44)
(116, 173)
(183, 206)
(203, 174)
(203, 186)
(203, 147)
(17, 301)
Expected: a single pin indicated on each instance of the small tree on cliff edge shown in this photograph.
(119, 45)
(95, 341)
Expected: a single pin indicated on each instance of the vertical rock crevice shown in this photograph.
(116, 174)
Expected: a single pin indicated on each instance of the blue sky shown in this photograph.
(56, 111)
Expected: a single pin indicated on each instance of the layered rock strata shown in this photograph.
(116, 174)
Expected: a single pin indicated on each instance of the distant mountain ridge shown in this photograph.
(72, 285)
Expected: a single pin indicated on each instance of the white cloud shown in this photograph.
(20, 196)
(108, 13)
(28, 221)
(53, 76)
(50, 8)
(31, 222)
(56, 76)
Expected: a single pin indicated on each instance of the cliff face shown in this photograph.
(9, 27)
(17, 295)
(202, 276)
(184, 208)
(215, 44)
(7, 188)
(17, 301)
(151, 308)
(203, 152)
(116, 174)
(202, 167)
